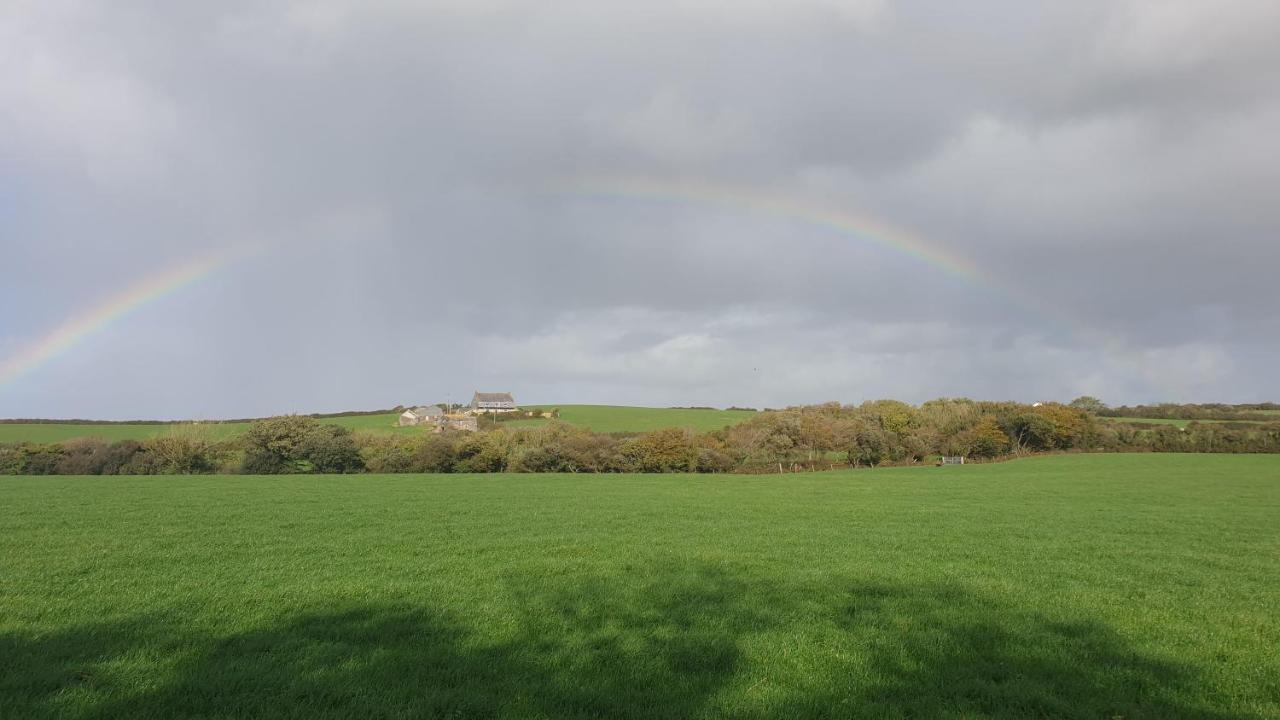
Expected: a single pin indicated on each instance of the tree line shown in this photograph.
(1248, 412)
(822, 436)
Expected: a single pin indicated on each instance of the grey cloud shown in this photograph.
(407, 171)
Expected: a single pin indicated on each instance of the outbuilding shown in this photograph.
(420, 415)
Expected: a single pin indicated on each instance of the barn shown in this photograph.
(420, 415)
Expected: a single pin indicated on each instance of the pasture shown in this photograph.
(621, 418)
(601, 418)
(1087, 586)
(1176, 422)
(111, 432)
(61, 432)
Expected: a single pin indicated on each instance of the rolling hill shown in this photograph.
(601, 418)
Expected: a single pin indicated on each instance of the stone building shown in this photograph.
(492, 402)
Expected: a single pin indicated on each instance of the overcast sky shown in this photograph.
(623, 203)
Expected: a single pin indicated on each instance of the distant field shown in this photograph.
(58, 432)
(1166, 421)
(1085, 586)
(601, 418)
(1147, 421)
(386, 422)
(619, 418)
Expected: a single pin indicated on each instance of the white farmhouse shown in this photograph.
(492, 402)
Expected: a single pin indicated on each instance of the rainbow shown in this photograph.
(76, 329)
(861, 227)
(844, 222)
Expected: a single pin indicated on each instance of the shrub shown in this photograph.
(435, 454)
(299, 444)
(330, 449)
(480, 453)
(272, 445)
(387, 453)
(12, 459)
(667, 450)
(870, 445)
(175, 455)
(584, 451)
(1028, 430)
(544, 459)
(39, 459)
(118, 455)
(986, 439)
(713, 460)
(82, 456)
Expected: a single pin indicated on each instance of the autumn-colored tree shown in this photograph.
(816, 433)
(667, 450)
(893, 415)
(986, 439)
(1068, 424)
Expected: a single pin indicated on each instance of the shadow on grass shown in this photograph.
(688, 642)
(942, 652)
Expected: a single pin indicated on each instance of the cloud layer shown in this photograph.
(411, 190)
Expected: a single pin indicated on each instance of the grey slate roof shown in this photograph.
(427, 411)
(493, 397)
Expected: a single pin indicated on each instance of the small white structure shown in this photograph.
(492, 402)
(952, 460)
(420, 415)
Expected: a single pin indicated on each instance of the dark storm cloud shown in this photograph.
(409, 175)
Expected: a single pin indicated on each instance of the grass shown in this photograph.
(382, 423)
(1147, 421)
(1089, 586)
(59, 432)
(1177, 422)
(601, 418)
(619, 418)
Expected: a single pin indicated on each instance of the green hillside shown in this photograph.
(58, 432)
(1178, 422)
(601, 418)
(1079, 586)
(621, 418)
(381, 423)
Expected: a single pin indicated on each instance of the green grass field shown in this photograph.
(601, 418)
(1150, 421)
(58, 432)
(381, 423)
(1088, 586)
(1177, 422)
(619, 418)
